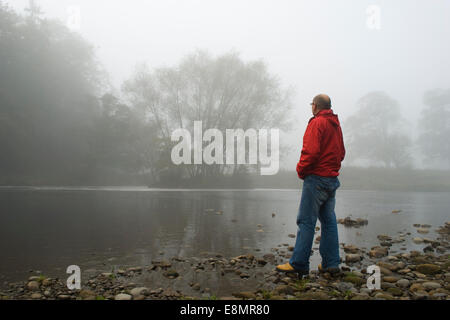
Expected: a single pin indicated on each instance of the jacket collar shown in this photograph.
(324, 112)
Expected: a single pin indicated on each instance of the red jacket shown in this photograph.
(323, 146)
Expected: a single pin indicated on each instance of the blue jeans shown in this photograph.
(318, 201)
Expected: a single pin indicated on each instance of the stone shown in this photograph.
(428, 268)
(85, 293)
(383, 237)
(416, 287)
(378, 252)
(350, 249)
(386, 265)
(171, 273)
(344, 286)
(422, 230)
(122, 296)
(382, 295)
(284, 289)
(36, 295)
(33, 285)
(318, 295)
(417, 240)
(402, 283)
(351, 257)
(390, 279)
(429, 285)
(139, 291)
(395, 292)
(244, 295)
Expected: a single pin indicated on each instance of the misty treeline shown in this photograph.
(62, 123)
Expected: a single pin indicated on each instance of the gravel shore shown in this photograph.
(404, 276)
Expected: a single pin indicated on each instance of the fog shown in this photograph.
(342, 49)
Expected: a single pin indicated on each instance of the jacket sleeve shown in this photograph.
(342, 144)
(310, 149)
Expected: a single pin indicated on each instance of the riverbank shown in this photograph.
(351, 178)
(404, 276)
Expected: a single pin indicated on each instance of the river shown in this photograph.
(50, 228)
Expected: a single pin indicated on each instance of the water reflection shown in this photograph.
(50, 228)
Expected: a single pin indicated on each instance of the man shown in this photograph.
(322, 153)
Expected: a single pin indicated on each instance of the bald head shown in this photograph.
(322, 101)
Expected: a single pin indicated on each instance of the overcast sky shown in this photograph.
(313, 46)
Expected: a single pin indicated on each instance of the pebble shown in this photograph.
(431, 285)
(122, 296)
(403, 283)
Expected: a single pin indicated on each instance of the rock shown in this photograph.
(378, 252)
(63, 297)
(46, 282)
(428, 268)
(85, 293)
(441, 249)
(122, 296)
(261, 261)
(383, 237)
(390, 279)
(422, 230)
(402, 283)
(291, 235)
(431, 285)
(269, 257)
(162, 263)
(386, 265)
(284, 289)
(36, 296)
(318, 295)
(350, 249)
(351, 257)
(416, 287)
(417, 240)
(386, 272)
(395, 292)
(352, 277)
(349, 222)
(344, 286)
(140, 291)
(382, 295)
(244, 295)
(171, 273)
(33, 285)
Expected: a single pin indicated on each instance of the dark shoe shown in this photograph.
(329, 270)
(290, 269)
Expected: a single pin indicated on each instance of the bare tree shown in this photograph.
(223, 92)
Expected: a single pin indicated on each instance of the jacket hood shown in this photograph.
(329, 115)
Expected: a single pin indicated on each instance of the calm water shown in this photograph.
(48, 229)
